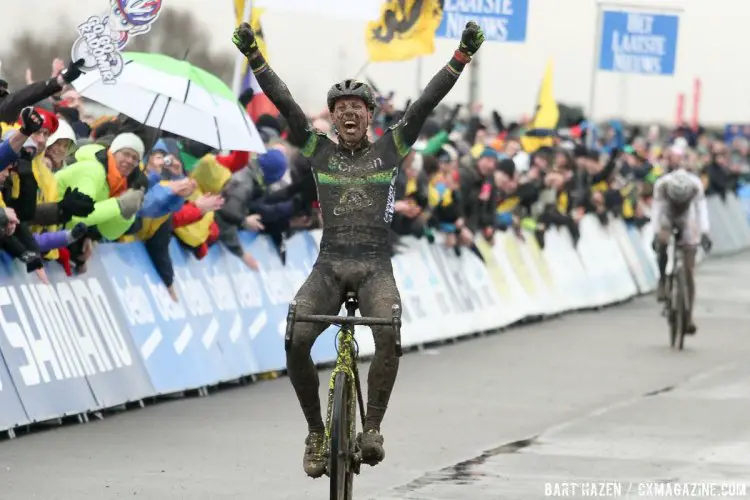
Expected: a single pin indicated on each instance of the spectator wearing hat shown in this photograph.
(193, 224)
(110, 176)
(59, 146)
(46, 186)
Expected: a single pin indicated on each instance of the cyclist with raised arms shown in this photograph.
(356, 189)
(680, 202)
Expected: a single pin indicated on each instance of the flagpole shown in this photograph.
(239, 61)
(590, 140)
(362, 69)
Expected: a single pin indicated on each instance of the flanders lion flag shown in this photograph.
(405, 30)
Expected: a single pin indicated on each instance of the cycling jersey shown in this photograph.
(690, 218)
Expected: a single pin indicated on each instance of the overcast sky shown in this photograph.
(310, 51)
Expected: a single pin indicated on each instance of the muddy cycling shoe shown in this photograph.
(371, 446)
(315, 461)
(691, 329)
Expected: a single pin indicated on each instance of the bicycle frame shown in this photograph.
(347, 352)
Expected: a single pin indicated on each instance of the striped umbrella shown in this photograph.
(173, 95)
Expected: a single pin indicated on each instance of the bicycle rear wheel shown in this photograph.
(681, 309)
(340, 465)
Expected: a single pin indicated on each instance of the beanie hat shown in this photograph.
(268, 121)
(50, 121)
(64, 131)
(168, 146)
(508, 167)
(488, 153)
(128, 140)
(273, 164)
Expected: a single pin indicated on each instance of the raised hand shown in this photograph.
(471, 39)
(31, 121)
(244, 39)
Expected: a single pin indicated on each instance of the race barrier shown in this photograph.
(114, 336)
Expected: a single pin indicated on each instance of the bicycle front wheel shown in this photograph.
(341, 457)
(671, 313)
(681, 308)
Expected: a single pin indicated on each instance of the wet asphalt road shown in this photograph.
(586, 397)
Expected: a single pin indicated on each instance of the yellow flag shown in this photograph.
(254, 22)
(546, 116)
(404, 30)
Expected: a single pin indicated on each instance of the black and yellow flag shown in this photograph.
(546, 116)
(245, 12)
(405, 30)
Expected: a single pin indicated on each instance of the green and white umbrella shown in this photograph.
(175, 96)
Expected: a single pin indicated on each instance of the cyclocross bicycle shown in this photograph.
(677, 305)
(344, 457)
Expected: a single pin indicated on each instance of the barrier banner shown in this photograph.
(12, 414)
(649, 268)
(467, 304)
(512, 247)
(501, 277)
(127, 380)
(425, 299)
(567, 269)
(509, 259)
(594, 262)
(471, 273)
(738, 220)
(539, 271)
(161, 328)
(721, 231)
(623, 285)
(34, 353)
(66, 345)
(217, 324)
(743, 194)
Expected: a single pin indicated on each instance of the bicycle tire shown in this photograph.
(671, 316)
(340, 458)
(681, 309)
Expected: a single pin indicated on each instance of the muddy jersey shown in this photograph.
(356, 189)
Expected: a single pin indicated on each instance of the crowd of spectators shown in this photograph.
(70, 180)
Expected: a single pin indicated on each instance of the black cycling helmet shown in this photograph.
(351, 88)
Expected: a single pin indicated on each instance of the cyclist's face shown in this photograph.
(351, 117)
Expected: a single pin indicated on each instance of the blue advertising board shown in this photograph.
(163, 330)
(13, 414)
(639, 42)
(66, 346)
(501, 20)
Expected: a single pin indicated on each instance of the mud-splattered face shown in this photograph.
(351, 118)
